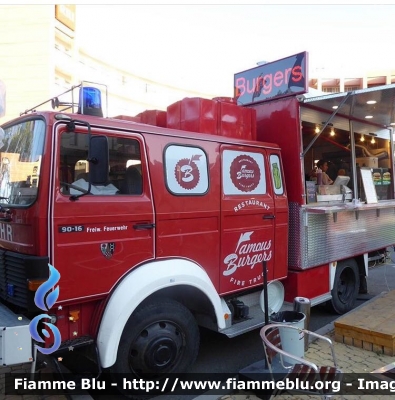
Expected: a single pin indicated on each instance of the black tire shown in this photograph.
(345, 287)
(160, 338)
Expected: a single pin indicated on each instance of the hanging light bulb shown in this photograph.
(362, 138)
(332, 132)
(317, 129)
(373, 141)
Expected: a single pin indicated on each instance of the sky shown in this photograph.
(200, 47)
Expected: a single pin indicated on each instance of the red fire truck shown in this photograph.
(164, 222)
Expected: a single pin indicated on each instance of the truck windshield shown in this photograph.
(21, 148)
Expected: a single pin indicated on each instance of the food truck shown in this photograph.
(143, 228)
(353, 132)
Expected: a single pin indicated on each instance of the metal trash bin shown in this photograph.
(303, 305)
(292, 341)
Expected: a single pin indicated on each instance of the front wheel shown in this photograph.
(345, 287)
(160, 338)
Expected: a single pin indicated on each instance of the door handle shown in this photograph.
(143, 226)
(268, 216)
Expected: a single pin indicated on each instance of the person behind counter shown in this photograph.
(323, 166)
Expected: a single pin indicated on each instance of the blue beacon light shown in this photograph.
(90, 102)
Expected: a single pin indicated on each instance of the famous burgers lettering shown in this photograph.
(241, 265)
(245, 173)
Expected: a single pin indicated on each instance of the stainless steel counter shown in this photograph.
(319, 208)
(323, 233)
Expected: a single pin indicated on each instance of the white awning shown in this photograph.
(372, 110)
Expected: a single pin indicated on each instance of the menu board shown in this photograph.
(311, 192)
(368, 185)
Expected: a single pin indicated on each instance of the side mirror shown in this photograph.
(98, 160)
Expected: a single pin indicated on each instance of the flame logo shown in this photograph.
(44, 299)
(39, 297)
(35, 335)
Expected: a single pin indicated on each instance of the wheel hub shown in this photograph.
(157, 349)
(161, 352)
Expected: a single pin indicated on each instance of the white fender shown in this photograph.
(332, 273)
(137, 286)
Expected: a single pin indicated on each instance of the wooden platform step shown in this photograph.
(371, 326)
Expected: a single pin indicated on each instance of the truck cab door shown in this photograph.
(99, 237)
(247, 218)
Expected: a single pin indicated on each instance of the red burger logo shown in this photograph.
(245, 173)
(187, 172)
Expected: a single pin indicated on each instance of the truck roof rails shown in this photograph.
(87, 102)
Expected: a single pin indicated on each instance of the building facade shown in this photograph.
(335, 84)
(40, 58)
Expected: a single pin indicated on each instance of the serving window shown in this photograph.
(347, 149)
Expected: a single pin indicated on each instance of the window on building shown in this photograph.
(331, 89)
(351, 88)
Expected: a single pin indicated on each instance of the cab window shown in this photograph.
(124, 175)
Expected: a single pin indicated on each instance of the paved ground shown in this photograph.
(350, 359)
(22, 368)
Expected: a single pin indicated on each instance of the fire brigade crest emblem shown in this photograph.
(107, 249)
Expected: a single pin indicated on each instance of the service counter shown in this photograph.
(335, 207)
(322, 233)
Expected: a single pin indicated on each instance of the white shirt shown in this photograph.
(325, 179)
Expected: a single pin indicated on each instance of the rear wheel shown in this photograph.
(160, 338)
(345, 287)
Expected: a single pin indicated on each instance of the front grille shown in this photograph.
(15, 270)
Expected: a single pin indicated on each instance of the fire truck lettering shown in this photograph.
(95, 229)
(251, 202)
(6, 232)
(237, 282)
(255, 280)
(245, 173)
(255, 247)
(234, 262)
(115, 228)
(267, 256)
(239, 206)
(231, 266)
(242, 262)
(186, 169)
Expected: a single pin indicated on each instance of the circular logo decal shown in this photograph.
(187, 173)
(245, 173)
